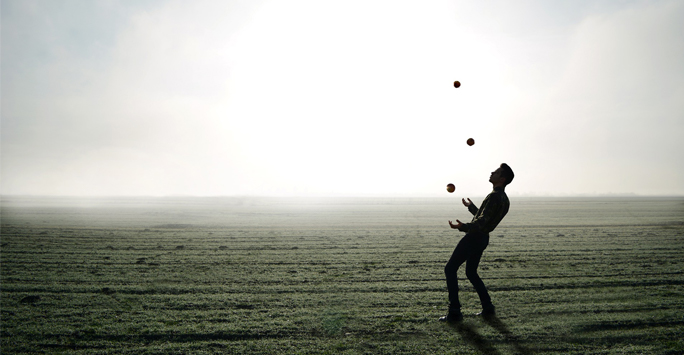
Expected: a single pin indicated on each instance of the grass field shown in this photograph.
(258, 275)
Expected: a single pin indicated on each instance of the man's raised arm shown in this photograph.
(471, 206)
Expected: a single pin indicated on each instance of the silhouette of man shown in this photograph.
(472, 245)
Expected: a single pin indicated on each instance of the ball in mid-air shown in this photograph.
(470, 141)
(457, 84)
(451, 188)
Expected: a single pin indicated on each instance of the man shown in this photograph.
(470, 248)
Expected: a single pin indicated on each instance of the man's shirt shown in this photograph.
(494, 208)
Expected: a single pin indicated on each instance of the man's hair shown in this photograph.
(507, 172)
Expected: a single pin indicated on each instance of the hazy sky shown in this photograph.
(341, 98)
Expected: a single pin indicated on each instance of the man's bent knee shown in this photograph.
(450, 268)
(471, 274)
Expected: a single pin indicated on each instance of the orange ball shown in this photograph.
(457, 84)
(451, 188)
(470, 141)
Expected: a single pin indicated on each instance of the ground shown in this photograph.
(341, 278)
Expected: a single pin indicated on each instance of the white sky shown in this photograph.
(341, 98)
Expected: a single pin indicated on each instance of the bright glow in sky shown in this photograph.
(341, 98)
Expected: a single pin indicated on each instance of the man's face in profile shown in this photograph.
(496, 176)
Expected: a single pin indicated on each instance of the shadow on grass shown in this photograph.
(470, 335)
(511, 338)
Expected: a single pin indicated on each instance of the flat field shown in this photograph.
(355, 276)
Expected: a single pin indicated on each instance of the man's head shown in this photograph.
(502, 176)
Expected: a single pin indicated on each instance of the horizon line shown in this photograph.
(586, 195)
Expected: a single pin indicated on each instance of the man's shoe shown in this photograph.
(452, 318)
(487, 312)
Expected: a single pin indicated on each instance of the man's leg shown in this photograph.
(458, 257)
(471, 272)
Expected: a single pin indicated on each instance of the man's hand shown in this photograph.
(458, 225)
(466, 203)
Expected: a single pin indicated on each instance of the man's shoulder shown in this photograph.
(499, 196)
(498, 193)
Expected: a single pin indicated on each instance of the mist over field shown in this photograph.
(272, 212)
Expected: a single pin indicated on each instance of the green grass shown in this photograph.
(89, 283)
